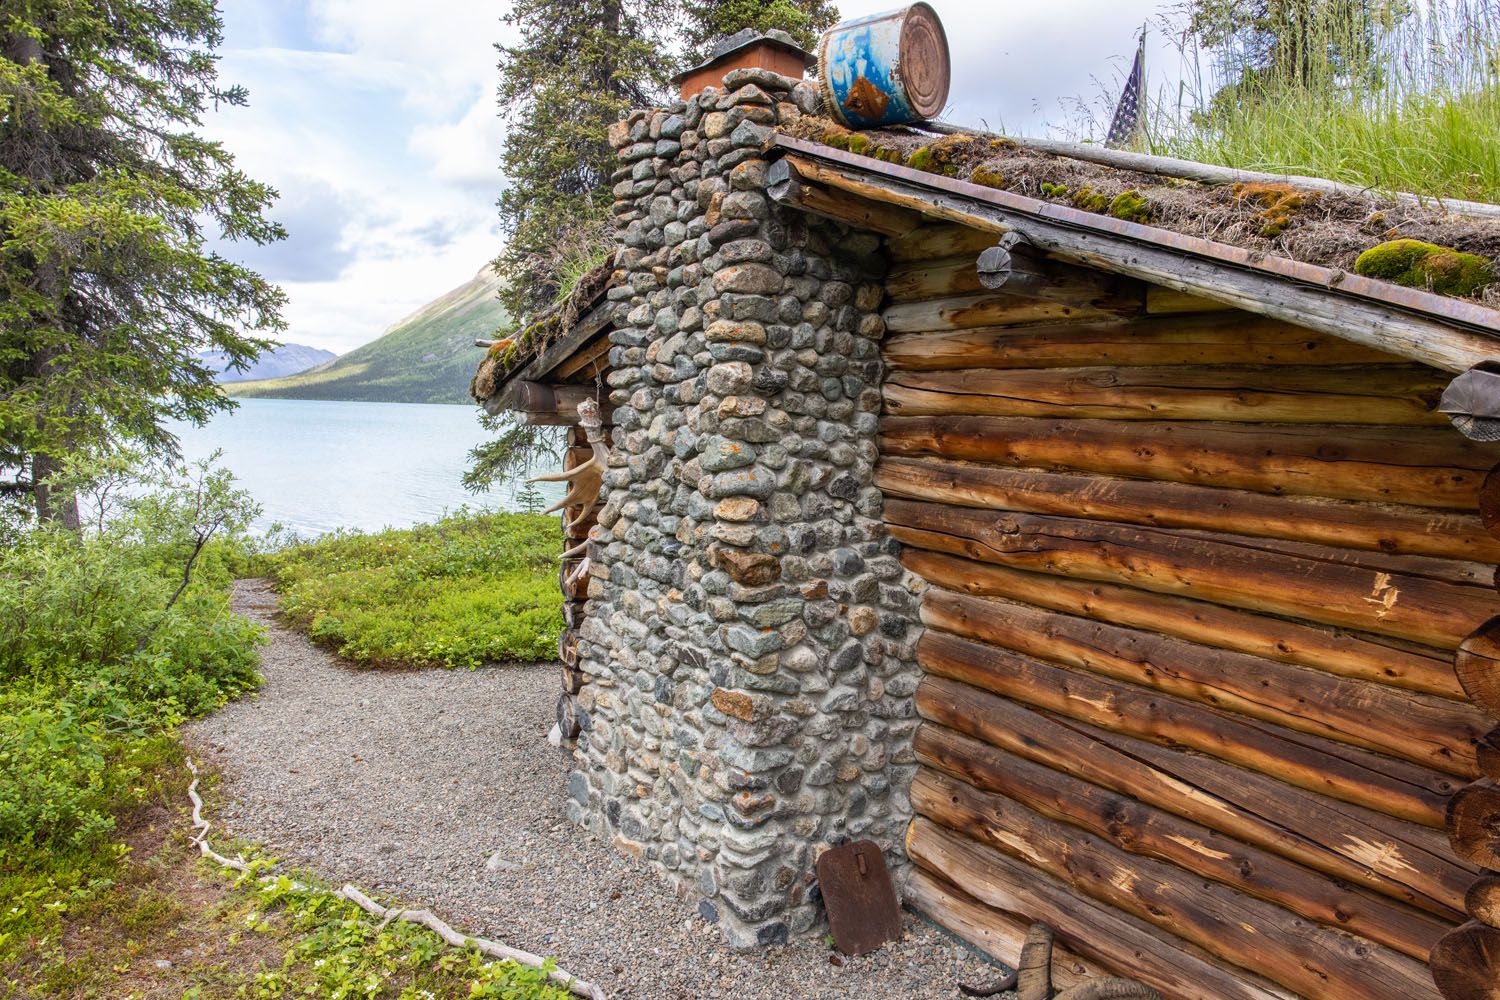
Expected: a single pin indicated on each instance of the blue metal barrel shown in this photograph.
(885, 69)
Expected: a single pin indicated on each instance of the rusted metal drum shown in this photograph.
(885, 69)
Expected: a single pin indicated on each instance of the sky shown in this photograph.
(376, 122)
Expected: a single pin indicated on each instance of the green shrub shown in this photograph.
(470, 589)
(108, 641)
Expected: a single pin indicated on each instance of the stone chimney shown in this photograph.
(774, 50)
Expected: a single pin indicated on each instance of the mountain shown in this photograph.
(428, 357)
(284, 359)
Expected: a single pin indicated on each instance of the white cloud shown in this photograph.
(377, 121)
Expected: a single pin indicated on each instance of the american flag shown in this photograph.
(1127, 120)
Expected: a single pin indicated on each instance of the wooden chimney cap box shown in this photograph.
(775, 51)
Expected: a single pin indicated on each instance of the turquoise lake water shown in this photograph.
(315, 466)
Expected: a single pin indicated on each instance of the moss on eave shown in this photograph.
(1416, 264)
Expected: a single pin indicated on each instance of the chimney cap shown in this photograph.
(744, 39)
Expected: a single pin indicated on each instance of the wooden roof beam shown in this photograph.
(1449, 334)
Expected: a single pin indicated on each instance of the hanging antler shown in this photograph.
(584, 481)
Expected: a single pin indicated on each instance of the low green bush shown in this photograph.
(473, 588)
(108, 641)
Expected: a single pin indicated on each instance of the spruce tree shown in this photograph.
(578, 68)
(108, 197)
(709, 20)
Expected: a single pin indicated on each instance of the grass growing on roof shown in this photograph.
(1419, 115)
(473, 588)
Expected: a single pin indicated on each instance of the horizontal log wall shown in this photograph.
(1196, 583)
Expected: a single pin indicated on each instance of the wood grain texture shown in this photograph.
(1483, 900)
(1473, 821)
(963, 312)
(1118, 941)
(1421, 466)
(995, 932)
(1434, 732)
(1361, 846)
(967, 765)
(1346, 773)
(1221, 338)
(1370, 657)
(1382, 528)
(1306, 957)
(1241, 393)
(1477, 664)
(1466, 963)
(1389, 595)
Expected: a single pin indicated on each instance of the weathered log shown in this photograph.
(1238, 572)
(1466, 963)
(1477, 664)
(1483, 900)
(1115, 939)
(1341, 772)
(589, 362)
(1489, 500)
(552, 400)
(1404, 862)
(1422, 466)
(787, 187)
(1371, 658)
(1422, 326)
(1474, 823)
(569, 717)
(962, 312)
(1384, 528)
(1231, 338)
(572, 679)
(1434, 732)
(575, 586)
(567, 647)
(1289, 394)
(1030, 276)
(574, 613)
(998, 934)
(932, 241)
(1034, 971)
(1306, 957)
(1143, 829)
(1164, 301)
(1488, 752)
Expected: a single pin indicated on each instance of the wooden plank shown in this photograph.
(1384, 528)
(1405, 862)
(1226, 338)
(1374, 658)
(1434, 732)
(965, 765)
(998, 934)
(1386, 394)
(961, 312)
(1428, 328)
(931, 241)
(1164, 301)
(1031, 276)
(590, 360)
(1119, 941)
(1419, 466)
(1393, 787)
(1397, 601)
(1305, 957)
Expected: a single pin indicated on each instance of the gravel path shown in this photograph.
(438, 786)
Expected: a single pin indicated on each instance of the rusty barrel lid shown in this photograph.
(885, 69)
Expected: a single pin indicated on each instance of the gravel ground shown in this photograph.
(438, 787)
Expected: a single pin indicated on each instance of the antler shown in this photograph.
(585, 480)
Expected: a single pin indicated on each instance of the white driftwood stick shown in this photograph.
(424, 917)
(494, 949)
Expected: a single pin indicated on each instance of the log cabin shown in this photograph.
(1112, 562)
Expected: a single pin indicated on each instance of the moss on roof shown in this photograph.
(1329, 229)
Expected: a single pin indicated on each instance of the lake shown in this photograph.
(315, 465)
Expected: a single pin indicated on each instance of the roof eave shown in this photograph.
(1451, 334)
